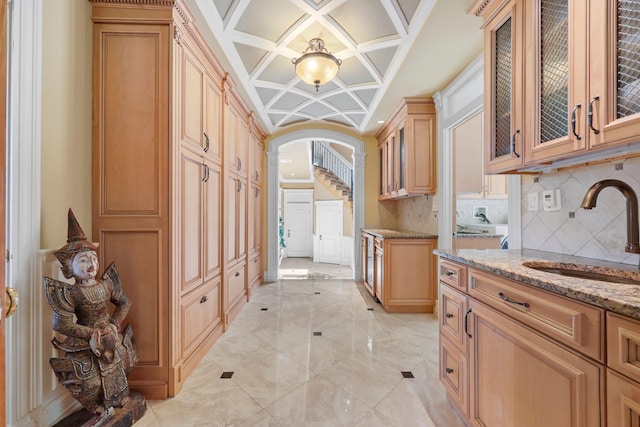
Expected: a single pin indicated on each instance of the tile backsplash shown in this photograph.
(497, 210)
(599, 233)
(412, 213)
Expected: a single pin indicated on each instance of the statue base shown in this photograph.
(119, 417)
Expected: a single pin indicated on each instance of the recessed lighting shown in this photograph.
(286, 160)
(293, 174)
(380, 122)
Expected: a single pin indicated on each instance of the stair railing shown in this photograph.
(325, 157)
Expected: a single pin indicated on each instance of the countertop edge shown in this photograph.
(619, 298)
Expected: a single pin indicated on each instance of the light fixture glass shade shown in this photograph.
(316, 66)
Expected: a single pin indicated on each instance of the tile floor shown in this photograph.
(313, 353)
(305, 268)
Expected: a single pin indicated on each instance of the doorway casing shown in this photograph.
(271, 275)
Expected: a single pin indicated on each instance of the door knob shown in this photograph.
(11, 303)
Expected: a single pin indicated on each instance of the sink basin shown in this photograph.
(590, 272)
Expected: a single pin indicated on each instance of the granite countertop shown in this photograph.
(398, 234)
(617, 297)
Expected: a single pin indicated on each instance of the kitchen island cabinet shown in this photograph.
(404, 270)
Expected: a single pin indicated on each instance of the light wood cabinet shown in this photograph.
(578, 80)
(536, 381)
(405, 272)
(623, 400)
(407, 144)
(517, 344)
(160, 183)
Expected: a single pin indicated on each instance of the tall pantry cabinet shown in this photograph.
(165, 150)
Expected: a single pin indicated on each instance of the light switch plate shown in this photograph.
(532, 202)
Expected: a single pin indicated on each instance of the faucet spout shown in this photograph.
(589, 202)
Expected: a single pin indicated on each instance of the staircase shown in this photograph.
(333, 170)
(335, 185)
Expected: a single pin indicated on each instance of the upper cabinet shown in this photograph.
(407, 146)
(562, 80)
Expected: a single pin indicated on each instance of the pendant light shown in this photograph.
(316, 66)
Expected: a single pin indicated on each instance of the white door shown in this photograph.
(329, 223)
(298, 223)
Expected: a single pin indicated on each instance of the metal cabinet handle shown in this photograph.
(449, 273)
(513, 143)
(449, 370)
(239, 163)
(466, 323)
(205, 176)
(257, 176)
(239, 186)
(512, 301)
(206, 142)
(590, 115)
(573, 121)
(448, 315)
(237, 273)
(204, 299)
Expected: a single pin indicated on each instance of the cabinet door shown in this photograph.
(241, 219)
(254, 221)
(212, 221)
(555, 79)
(232, 218)
(420, 137)
(192, 175)
(212, 120)
(379, 273)
(191, 108)
(519, 378)
(623, 401)
(382, 149)
(256, 157)
(231, 119)
(242, 147)
(504, 131)
(614, 83)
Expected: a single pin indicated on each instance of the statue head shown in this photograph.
(76, 244)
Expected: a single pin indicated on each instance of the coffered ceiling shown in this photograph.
(377, 41)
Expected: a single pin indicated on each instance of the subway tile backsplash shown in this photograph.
(599, 233)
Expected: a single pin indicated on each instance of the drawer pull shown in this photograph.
(237, 273)
(449, 370)
(448, 315)
(204, 299)
(512, 301)
(449, 273)
(466, 323)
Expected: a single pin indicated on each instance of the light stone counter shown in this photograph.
(616, 297)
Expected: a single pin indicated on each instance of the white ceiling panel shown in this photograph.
(259, 38)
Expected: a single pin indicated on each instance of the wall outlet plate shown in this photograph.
(532, 202)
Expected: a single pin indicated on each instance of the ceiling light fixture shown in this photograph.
(316, 66)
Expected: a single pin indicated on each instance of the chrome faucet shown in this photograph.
(589, 202)
(483, 218)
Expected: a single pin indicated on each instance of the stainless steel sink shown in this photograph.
(590, 272)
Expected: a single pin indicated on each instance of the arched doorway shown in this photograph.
(272, 192)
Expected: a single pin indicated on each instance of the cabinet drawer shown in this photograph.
(454, 375)
(236, 286)
(575, 324)
(453, 274)
(200, 313)
(453, 306)
(623, 345)
(379, 243)
(254, 268)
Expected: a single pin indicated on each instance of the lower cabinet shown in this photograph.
(501, 364)
(520, 378)
(405, 274)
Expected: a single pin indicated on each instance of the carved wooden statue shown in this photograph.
(97, 356)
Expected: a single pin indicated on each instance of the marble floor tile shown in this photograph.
(323, 353)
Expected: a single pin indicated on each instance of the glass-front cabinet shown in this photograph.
(562, 79)
(504, 127)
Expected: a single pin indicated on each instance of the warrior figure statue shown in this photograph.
(97, 357)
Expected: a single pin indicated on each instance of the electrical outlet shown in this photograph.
(532, 202)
